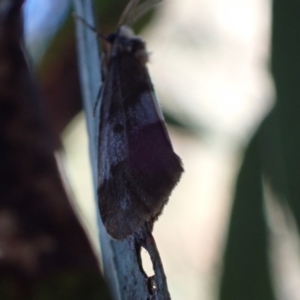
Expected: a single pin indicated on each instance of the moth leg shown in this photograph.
(97, 100)
(83, 21)
(92, 28)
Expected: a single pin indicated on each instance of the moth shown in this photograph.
(137, 167)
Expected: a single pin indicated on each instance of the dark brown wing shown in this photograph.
(137, 167)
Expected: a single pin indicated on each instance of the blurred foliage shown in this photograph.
(67, 286)
(274, 154)
(44, 250)
(246, 266)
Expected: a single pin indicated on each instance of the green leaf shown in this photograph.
(246, 265)
(120, 259)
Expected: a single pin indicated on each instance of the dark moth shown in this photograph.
(137, 167)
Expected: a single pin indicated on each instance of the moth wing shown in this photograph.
(118, 213)
(137, 167)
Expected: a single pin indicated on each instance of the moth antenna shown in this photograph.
(141, 10)
(129, 7)
(134, 11)
(90, 27)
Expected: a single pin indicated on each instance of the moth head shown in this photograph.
(125, 41)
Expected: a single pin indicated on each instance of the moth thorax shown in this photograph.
(126, 32)
(128, 42)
